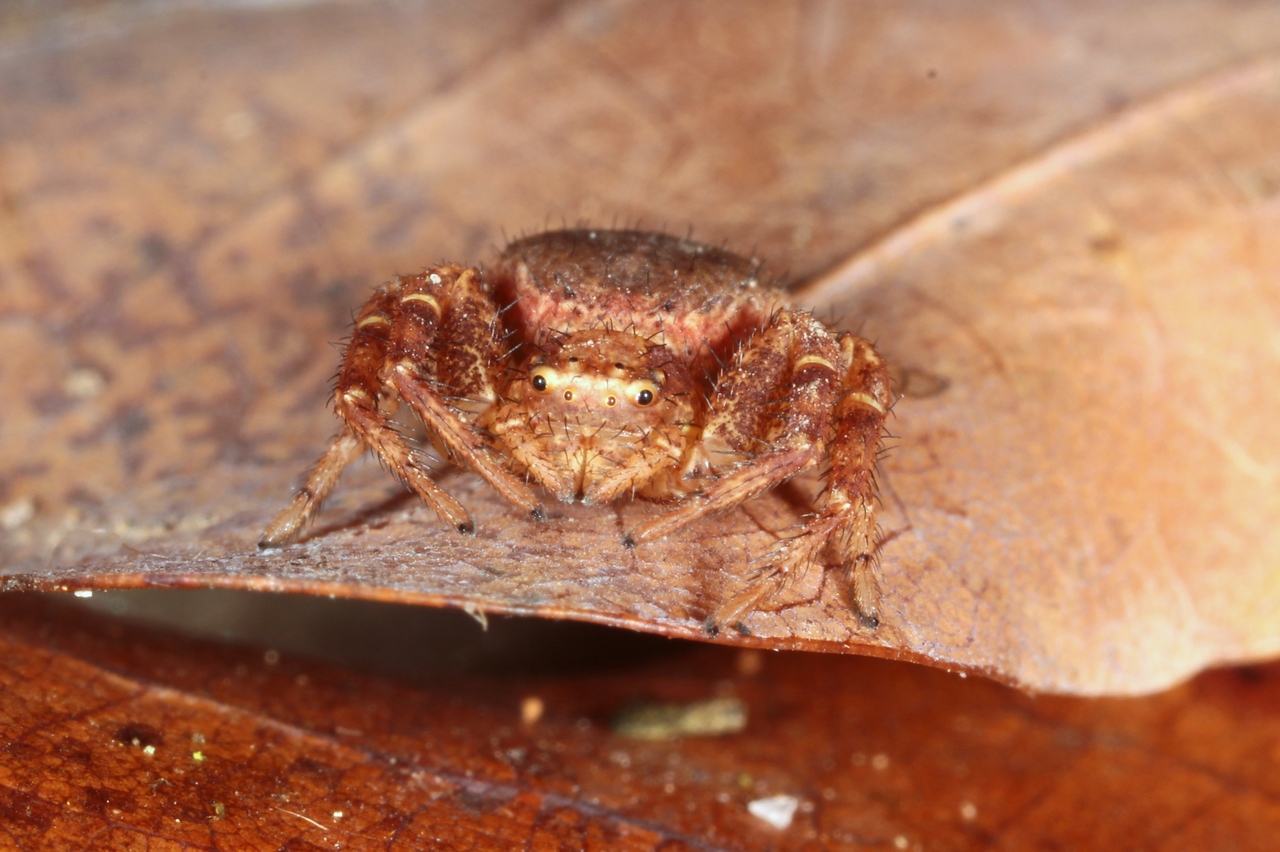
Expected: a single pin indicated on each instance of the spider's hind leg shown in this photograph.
(851, 499)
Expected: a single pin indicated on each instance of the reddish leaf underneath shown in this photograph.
(114, 735)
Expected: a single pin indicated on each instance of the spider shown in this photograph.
(602, 364)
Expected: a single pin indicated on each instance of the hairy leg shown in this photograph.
(851, 497)
(768, 421)
(846, 523)
(438, 360)
(289, 524)
(356, 402)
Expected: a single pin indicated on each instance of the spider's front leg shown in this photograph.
(427, 339)
(769, 419)
(440, 360)
(357, 400)
(846, 525)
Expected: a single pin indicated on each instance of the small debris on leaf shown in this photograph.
(778, 811)
(531, 710)
(712, 718)
(17, 512)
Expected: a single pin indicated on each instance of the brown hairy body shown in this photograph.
(609, 364)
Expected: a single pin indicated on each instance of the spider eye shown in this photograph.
(539, 382)
(645, 397)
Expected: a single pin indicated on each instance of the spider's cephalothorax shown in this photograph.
(607, 364)
(597, 413)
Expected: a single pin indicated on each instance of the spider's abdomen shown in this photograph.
(696, 299)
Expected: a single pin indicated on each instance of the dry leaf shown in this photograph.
(1057, 221)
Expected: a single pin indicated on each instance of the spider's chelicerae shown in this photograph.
(608, 364)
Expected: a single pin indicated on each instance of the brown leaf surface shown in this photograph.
(1058, 221)
(117, 737)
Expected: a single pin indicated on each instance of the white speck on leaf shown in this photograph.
(778, 811)
(17, 513)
